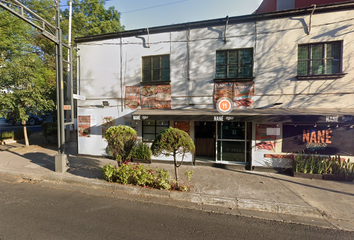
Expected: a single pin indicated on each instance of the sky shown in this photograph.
(137, 14)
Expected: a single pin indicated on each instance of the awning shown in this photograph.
(298, 115)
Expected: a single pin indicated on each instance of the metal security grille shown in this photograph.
(236, 63)
(156, 68)
(319, 58)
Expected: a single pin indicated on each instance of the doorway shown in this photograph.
(205, 141)
(233, 142)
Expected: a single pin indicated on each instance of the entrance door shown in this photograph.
(232, 141)
(205, 140)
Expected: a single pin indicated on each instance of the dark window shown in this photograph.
(152, 128)
(236, 63)
(319, 59)
(156, 68)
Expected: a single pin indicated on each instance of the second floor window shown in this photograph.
(237, 63)
(319, 59)
(156, 68)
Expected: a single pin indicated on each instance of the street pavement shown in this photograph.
(225, 188)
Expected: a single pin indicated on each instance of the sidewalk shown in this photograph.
(250, 193)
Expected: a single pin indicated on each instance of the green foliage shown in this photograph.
(90, 17)
(137, 174)
(316, 164)
(173, 141)
(141, 150)
(121, 139)
(7, 135)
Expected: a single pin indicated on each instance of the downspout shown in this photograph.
(227, 22)
(310, 22)
(121, 72)
(188, 66)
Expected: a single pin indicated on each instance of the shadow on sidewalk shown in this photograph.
(281, 180)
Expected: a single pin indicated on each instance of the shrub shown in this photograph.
(7, 135)
(141, 150)
(121, 140)
(173, 141)
(137, 174)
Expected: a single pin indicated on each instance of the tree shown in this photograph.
(121, 140)
(27, 58)
(22, 71)
(90, 17)
(173, 141)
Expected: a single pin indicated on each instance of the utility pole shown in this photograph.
(61, 159)
(69, 87)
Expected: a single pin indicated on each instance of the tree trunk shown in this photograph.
(25, 133)
(176, 169)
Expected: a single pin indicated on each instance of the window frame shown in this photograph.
(152, 68)
(155, 128)
(239, 64)
(324, 58)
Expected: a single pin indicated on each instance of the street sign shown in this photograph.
(79, 97)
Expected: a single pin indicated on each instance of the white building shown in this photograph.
(289, 75)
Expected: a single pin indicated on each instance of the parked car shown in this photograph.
(32, 119)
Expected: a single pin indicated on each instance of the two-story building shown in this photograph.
(287, 75)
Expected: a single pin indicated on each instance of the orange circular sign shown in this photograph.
(224, 105)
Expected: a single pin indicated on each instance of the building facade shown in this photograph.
(288, 77)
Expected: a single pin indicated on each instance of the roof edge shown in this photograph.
(218, 21)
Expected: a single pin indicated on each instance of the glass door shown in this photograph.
(231, 142)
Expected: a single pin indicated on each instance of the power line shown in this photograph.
(161, 5)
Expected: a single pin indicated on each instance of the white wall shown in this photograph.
(107, 65)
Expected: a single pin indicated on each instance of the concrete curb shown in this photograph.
(196, 198)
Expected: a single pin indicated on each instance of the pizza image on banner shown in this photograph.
(107, 122)
(243, 94)
(148, 103)
(163, 97)
(223, 90)
(84, 126)
(132, 97)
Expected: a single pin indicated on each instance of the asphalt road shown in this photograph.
(47, 211)
(8, 127)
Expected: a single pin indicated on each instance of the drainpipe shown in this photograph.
(310, 22)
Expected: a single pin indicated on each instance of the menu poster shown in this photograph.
(84, 126)
(243, 94)
(223, 90)
(107, 122)
(263, 140)
(183, 125)
(132, 97)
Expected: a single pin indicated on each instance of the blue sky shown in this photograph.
(137, 14)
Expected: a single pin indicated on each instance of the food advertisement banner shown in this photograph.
(241, 93)
(84, 126)
(183, 125)
(319, 139)
(223, 90)
(156, 97)
(132, 97)
(107, 122)
(265, 141)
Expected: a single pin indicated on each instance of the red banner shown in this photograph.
(132, 97)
